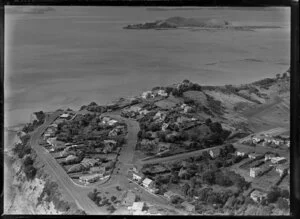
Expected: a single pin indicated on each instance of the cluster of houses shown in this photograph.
(68, 150)
(134, 111)
(155, 93)
(149, 185)
(169, 195)
(108, 121)
(268, 140)
(280, 163)
(50, 131)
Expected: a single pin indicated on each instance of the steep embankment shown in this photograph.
(256, 106)
(28, 188)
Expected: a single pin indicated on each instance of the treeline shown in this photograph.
(31, 126)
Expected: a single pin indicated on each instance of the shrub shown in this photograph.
(273, 195)
(30, 172)
(282, 203)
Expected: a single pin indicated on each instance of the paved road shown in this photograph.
(177, 156)
(78, 193)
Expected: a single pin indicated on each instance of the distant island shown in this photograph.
(181, 22)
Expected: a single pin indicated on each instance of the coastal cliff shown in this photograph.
(28, 193)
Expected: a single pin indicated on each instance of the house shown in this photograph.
(112, 122)
(64, 115)
(160, 116)
(109, 145)
(257, 140)
(148, 183)
(163, 146)
(214, 153)
(164, 126)
(287, 143)
(258, 196)
(269, 156)
(187, 206)
(52, 141)
(89, 162)
(147, 94)
(278, 160)
(254, 171)
(53, 125)
(71, 158)
(100, 170)
(137, 177)
(144, 112)
(129, 199)
(187, 109)
(86, 179)
(162, 93)
(137, 207)
(116, 131)
(254, 155)
(169, 195)
(241, 153)
(281, 169)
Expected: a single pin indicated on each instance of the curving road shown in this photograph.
(78, 194)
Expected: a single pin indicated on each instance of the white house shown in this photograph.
(86, 179)
(187, 206)
(281, 169)
(269, 156)
(278, 160)
(287, 143)
(169, 195)
(164, 126)
(112, 122)
(137, 207)
(148, 183)
(146, 94)
(258, 196)
(187, 109)
(144, 112)
(64, 115)
(241, 153)
(253, 155)
(257, 140)
(52, 141)
(160, 116)
(162, 93)
(255, 171)
(136, 177)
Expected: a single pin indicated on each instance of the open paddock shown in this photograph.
(266, 181)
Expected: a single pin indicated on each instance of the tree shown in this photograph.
(277, 76)
(185, 188)
(209, 177)
(273, 195)
(111, 208)
(285, 193)
(208, 121)
(30, 172)
(282, 203)
(113, 198)
(28, 161)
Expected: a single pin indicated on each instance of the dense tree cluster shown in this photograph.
(29, 127)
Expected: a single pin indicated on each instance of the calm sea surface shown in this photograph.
(74, 55)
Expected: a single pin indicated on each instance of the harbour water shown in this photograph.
(70, 56)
